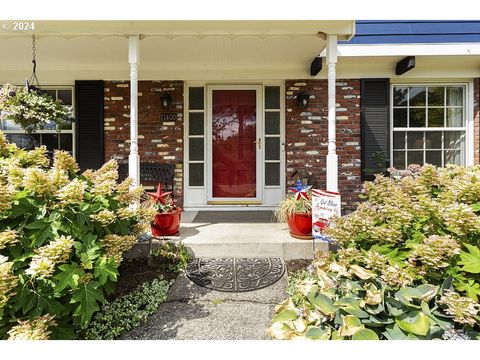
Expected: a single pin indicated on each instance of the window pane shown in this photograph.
(415, 140)
(433, 139)
(415, 157)
(272, 123)
(195, 174)
(436, 96)
(455, 117)
(272, 174)
(455, 96)
(400, 117)
(195, 98)
(51, 125)
(24, 141)
(400, 96)
(399, 140)
(453, 157)
(50, 92)
(434, 158)
(417, 96)
(453, 139)
(65, 96)
(65, 125)
(272, 97)
(66, 142)
(272, 148)
(195, 123)
(10, 125)
(399, 160)
(195, 150)
(436, 117)
(417, 117)
(50, 141)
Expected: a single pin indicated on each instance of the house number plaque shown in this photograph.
(168, 117)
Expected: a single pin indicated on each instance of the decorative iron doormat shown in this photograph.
(234, 274)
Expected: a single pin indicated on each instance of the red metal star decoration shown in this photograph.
(159, 196)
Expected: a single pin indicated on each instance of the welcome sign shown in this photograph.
(325, 204)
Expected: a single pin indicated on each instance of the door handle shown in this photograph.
(259, 142)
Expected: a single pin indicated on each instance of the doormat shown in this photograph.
(237, 217)
(235, 274)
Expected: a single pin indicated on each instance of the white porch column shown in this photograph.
(134, 158)
(332, 157)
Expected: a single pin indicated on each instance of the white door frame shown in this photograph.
(259, 147)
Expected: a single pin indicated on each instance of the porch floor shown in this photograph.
(240, 234)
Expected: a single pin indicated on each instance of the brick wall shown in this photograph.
(476, 118)
(307, 135)
(158, 141)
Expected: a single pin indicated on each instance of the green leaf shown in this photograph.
(365, 334)
(38, 224)
(361, 272)
(428, 291)
(415, 322)
(317, 333)
(393, 332)
(475, 207)
(470, 260)
(350, 325)
(471, 288)
(69, 276)
(351, 306)
(285, 315)
(88, 297)
(407, 294)
(105, 269)
(324, 304)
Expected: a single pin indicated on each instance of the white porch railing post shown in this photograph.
(332, 157)
(134, 158)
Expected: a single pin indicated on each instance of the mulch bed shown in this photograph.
(134, 272)
(295, 265)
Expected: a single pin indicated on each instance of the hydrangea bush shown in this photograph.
(407, 267)
(62, 235)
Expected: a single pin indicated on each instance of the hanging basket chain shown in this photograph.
(33, 80)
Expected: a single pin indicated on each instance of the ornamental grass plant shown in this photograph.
(408, 264)
(62, 236)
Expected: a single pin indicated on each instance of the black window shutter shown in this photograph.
(375, 120)
(89, 123)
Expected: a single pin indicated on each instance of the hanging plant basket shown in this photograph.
(31, 108)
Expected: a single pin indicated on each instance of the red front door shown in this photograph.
(233, 143)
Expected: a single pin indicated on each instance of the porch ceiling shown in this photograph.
(168, 47)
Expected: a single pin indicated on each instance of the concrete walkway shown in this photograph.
(192, 312)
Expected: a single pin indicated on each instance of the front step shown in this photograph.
(240, 240)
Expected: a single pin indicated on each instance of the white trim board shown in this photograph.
(466, 49)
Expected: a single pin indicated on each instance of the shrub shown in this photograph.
(61, 239)
(418, 231)
(170, 256)
(126, 312)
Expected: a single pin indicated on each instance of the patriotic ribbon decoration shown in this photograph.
(300, 190)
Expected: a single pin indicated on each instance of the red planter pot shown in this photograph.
(300, 225)
(166, 224)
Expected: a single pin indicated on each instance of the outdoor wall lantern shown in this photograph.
(165, 101)
(303, 99)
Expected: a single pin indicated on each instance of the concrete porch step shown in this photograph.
(239, 240)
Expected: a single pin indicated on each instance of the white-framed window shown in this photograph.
(53, 136)
(429, 124)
